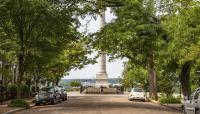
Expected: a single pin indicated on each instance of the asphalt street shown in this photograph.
(100, 104)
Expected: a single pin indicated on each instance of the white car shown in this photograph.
(191, 105)
(137, 94)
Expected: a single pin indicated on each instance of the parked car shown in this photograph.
(191, 105)
(48, 95)
(137, 94)
(63, 93)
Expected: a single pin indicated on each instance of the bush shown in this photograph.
(75, 84)
(12, 90)
(1, 99)
(170, 100)
(19, 103)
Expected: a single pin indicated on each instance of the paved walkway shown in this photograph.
(100, 104)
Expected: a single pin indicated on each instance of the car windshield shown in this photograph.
(46, 90)
(137, 90)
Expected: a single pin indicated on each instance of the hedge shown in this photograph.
(170, 100)
(19, 103)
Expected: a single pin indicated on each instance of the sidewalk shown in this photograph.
(172, 106)
(4, 109)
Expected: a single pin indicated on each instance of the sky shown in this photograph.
(114, 69)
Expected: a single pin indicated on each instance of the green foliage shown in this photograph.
(42, 37)
(12, 88)
(136, 34)
(75, 84)
(19, 103)
(183, 45)
(135, 76)
(170, 100)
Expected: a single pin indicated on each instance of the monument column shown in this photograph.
(101, 75)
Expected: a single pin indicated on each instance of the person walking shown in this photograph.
(101, 89)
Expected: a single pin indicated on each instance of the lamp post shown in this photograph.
(14, 73)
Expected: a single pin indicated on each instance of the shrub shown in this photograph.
(19, 103)
(75, 84)
(12, 90)
(170, 100)
(1, 99)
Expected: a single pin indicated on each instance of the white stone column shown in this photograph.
(101, 75)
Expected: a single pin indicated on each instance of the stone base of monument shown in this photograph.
(103, 91)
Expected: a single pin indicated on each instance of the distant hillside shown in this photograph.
(110, 80)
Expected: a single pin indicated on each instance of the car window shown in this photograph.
(45, 90)
(137, 90)
(196, 96)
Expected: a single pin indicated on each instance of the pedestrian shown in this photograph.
(101, 89)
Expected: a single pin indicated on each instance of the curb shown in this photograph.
(174, 108)
(17, 110)
(166, 105)
(13, 111)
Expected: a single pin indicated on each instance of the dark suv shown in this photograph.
(48, 94)
(192, 104)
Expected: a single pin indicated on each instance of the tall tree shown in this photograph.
(27, 22)
(136, 34)
(182, 51)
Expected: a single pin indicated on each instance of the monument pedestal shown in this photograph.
(101, 80)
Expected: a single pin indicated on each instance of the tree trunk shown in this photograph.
(152, 79)
(185, 78)
(57, 81)
(20, 75)
(20, 20)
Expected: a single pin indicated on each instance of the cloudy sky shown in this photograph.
(114, 69)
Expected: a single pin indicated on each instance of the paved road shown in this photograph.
(100, 104)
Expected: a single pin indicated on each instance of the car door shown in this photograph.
(195, 101)
(191, 104)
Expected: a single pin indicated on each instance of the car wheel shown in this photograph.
(60, 100)
(54, 101)
(197, 112)
(37, 104)
(184, 111)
